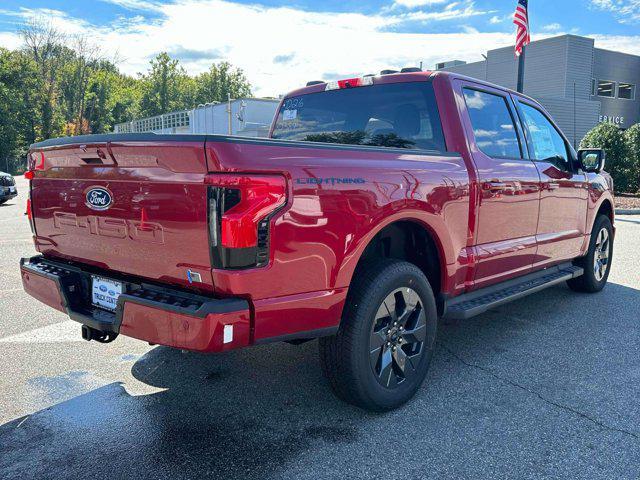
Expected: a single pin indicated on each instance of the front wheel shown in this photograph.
(381, 353)
(597, 262)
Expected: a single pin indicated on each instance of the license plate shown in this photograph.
(105, 292)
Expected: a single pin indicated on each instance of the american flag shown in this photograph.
(521, 19)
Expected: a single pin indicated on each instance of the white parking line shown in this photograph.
(11, 290)
(11, 271)
(16, 240)
(67, 331)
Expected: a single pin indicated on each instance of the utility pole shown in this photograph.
(229, 111)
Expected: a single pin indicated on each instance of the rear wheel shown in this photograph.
(597, 262)
(381, 353)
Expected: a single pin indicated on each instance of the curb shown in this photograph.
(632, 211)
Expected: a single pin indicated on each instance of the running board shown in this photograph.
(474, 303)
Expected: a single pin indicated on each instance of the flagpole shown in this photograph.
(520, 87)
(521, 20)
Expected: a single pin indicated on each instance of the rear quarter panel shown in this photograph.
(339, 198)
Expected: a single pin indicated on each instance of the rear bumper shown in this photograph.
(159, 315)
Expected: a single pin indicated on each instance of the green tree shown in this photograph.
(18, 113)
(44, 44)
(166, 87)
(59, 85)
(127, 95)
(81, 60)
(610, 138)
(99, 98)
(632, 138)
(221, 81)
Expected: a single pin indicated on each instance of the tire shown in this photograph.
(371, 362)
(2, 201)
(597, 262)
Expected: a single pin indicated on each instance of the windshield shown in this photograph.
(398, 115)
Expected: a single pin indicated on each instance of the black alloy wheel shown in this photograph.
(381, 353)
(397, 337)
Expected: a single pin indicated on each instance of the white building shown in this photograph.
(248, 117)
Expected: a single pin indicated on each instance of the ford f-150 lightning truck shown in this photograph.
(377, 206)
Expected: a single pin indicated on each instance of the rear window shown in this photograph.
(399, 115)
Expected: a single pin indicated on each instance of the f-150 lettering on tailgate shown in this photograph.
(144, 232)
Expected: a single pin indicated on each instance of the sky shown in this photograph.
(282, 45)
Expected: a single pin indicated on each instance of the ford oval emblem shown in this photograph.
(99, 198)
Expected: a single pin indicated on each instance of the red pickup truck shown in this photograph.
(377, 206)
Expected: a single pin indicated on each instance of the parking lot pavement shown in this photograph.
(547, 387)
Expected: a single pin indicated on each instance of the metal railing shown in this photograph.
(157, 123)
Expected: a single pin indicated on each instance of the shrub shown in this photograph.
(632, 139)
(619, 165)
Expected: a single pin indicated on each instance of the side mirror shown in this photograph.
(591, 159)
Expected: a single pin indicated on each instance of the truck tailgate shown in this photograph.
(135, 207)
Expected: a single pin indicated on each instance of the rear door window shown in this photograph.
(400, 115)
(492, 123)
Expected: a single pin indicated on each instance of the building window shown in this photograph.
(626, 91)
(606, 88)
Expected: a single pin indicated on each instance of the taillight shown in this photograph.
(350, 83)
(29, 214)
(240, 210)
(35, 161)
(33, 164)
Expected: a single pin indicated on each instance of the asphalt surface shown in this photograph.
(548, 387)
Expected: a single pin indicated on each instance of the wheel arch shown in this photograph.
(405, 238)
(605, 208)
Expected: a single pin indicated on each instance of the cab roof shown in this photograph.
(377, 80)
(407, 77)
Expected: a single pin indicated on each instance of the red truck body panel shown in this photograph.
(157, 228)
(182, 331)
(318, 239)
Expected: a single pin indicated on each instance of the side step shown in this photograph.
(479, 301)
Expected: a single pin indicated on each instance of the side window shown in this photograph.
(546, 141)
(492, 124)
